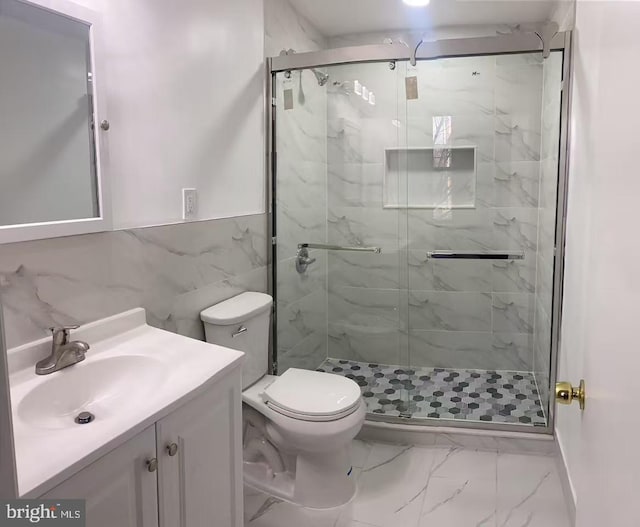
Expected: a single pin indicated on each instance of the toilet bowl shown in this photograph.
(298, 427)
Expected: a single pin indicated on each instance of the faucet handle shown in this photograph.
(56, 331)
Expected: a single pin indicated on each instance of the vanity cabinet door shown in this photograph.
(200, 453)
(119, 488)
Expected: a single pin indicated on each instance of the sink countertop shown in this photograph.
(47, 455)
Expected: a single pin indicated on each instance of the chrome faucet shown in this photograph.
(63, 352)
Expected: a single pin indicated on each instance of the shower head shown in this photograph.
(322, 78)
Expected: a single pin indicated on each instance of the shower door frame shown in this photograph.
(451, 48)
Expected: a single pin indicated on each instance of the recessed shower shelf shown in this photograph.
(430, 177)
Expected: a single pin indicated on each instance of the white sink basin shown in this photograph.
(133, 376)
(103, 387)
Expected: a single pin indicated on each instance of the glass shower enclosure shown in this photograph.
(417, 220)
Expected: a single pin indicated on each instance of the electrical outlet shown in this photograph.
(189, 203)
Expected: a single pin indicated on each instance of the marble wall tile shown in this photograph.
(458, 229)
(295, 226)
(451, 311)
(513, 312)
(366, 307)
(356, 185)
(544, 284)
(448, 275)
(285, 28)
(518, 89)
(462, 275)
(300, 137)
(450, 349)
(515, 276)
(307, 354)
(470, 349)
(368, 344)
(172, 271)
(305, 184)
(512, 351)
(364, 227)
(515, 228)
(517, 138)
(466, 130)
(450, 87)
(300, 319)
(378, 271)
(516, 184)
(519, 59)
(420, 271)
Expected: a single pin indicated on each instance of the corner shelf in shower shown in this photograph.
(430, 177)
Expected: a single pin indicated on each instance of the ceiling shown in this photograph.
(343, 17)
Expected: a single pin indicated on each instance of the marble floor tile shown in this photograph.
(261, 510)
(459, 502)
(529, 492)
(428, 486)
(459, 463)
(391, 486)
(360, 451)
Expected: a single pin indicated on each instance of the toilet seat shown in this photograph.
(312, 396)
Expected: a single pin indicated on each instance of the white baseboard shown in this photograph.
(565, 479)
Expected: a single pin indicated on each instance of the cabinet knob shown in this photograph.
(152, 464)
(172, 449)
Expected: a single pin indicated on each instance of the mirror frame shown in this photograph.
(8, 471)
(103, 222)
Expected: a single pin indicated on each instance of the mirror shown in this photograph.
(49, 177)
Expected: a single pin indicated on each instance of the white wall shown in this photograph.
(185, 102)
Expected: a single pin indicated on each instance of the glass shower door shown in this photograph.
(366, 291)
(483, 136)
(341, 301)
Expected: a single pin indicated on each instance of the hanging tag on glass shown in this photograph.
(288, 99)
(412, 88)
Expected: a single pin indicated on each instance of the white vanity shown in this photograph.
(165, 447)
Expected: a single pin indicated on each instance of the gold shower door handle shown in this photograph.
(566, 393)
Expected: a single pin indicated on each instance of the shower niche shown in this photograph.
(430, 177)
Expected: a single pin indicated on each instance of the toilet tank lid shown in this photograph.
(237, 309)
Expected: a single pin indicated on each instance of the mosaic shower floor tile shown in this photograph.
(442, 393)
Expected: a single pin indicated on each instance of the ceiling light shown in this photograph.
(416, 3)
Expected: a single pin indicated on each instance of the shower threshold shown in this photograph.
(444, 393)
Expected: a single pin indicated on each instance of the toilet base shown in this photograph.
(318, 480)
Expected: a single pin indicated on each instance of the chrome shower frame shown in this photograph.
(467, 47)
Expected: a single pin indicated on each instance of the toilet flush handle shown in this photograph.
(241, 330)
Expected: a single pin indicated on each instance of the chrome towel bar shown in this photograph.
(470, 255)
(376, 250)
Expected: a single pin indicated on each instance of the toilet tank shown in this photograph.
(242, 323)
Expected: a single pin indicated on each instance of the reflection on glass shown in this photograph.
(47, 157)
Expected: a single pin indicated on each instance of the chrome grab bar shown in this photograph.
(376, 250)
(470, 255)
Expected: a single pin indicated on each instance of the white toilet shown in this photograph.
(297, 427)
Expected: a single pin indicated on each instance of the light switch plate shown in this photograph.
(189, 203)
